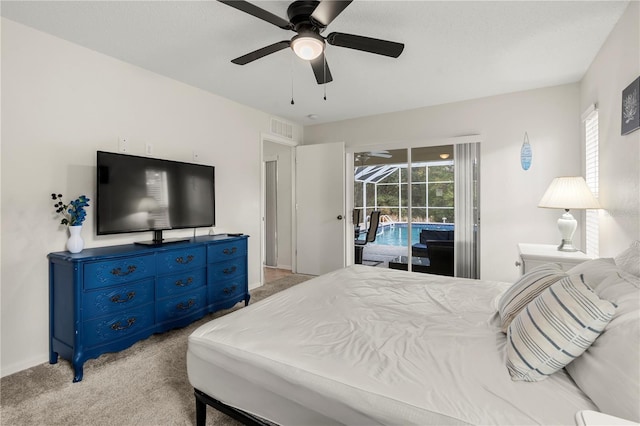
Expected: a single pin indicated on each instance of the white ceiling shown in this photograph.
(454, 50)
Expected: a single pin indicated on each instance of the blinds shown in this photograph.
(590, 118)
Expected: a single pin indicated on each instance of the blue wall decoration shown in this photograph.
(526, 153)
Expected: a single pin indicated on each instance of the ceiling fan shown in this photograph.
(309, 18)
(364, 157)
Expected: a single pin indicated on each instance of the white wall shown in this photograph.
(509, 195)
(614, 68)
(60, 104)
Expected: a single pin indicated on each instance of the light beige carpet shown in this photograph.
(145, 384)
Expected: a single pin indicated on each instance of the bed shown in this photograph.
(372, 346)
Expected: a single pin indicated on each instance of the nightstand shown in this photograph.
(594, 418)
(532, 255)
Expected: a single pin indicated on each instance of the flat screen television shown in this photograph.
(137, 194)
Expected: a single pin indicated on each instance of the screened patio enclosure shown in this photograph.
(386, 188)
(415, 190)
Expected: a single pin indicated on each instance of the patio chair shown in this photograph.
(374, 221)
(428, 235)
(356, 223)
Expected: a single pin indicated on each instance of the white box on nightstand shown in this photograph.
(595, 418)
(532, 255)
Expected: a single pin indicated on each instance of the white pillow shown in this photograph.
(629, 260)
(609, 371)
(527, 288)
(595, 271)
(554, 329)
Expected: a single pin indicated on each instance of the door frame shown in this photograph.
(265, 161)
(271, 138)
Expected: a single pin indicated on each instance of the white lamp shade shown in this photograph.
(569, 192)
(307, 46)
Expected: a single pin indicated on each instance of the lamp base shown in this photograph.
(567, 226)
(566, 245)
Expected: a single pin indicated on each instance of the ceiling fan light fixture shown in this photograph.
(307, 46)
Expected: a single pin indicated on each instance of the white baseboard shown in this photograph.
(7, 370)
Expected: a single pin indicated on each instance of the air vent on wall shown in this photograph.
(281, 128)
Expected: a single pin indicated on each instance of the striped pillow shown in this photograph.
(554, 329)
(527, 288)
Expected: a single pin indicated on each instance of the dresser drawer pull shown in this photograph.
(184, 307)
(181, 260)
(229, 270)
(230, 251)
(117, 327)
(229, 290)
(117, 299)
(181, 283)
(118, 272)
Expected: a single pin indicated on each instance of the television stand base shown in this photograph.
(154, 243)
(158, 240)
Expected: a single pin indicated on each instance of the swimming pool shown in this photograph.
(395, 234)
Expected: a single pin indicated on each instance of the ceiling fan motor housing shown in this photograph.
(299, 13)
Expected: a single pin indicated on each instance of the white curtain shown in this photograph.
(467, 210)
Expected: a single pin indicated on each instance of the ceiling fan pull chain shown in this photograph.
(292, 102)
(324, 58)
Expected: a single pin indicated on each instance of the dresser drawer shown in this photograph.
(227, 270)
(181, 306)
(114, 299)
(170, 285)
(117, 326)
(181, 260)
(118, 271)
(224, 251)
(228, 289)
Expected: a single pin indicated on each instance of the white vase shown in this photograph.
(75, 244)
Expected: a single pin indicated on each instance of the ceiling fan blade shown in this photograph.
(257, 54)
(366, 44)
(321, 70)
(380, 154)
(259, 13)
(328, 10)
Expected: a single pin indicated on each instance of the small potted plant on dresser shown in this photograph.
(73, 214)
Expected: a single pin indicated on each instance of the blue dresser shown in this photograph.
(105, 299)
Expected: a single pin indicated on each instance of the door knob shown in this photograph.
(339, 217)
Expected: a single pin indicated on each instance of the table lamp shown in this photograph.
(568, 192)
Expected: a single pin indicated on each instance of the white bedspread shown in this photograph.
(400, 348)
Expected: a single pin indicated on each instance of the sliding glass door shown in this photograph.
(431, 217)
(429, 208)
(380, 184)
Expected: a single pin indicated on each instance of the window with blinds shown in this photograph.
(590, 118)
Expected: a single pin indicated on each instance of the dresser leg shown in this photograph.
(78, 372)
(246, 299)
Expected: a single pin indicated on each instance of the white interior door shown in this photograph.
(320, 213)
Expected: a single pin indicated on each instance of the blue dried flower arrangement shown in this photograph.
(73, 213)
